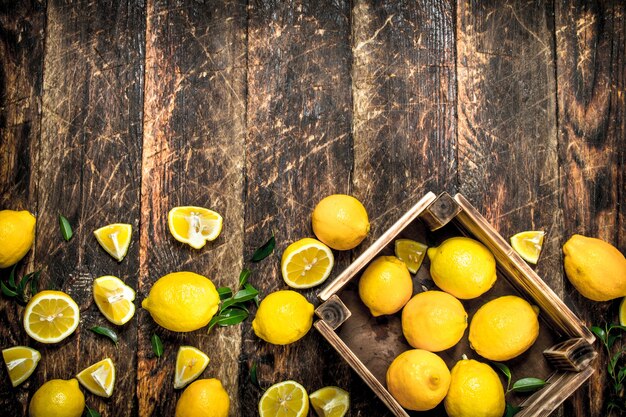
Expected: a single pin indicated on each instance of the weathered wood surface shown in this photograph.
(116, 111)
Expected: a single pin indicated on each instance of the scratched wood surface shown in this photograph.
(117, 111)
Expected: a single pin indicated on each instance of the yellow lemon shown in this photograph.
(596, 268)
(283, 317)
(99, 378)
(51, 316)
(306, 263)
(190, 363)
(203, 398)
(57, 398)
(330, 402)
(418, 379)
(433, 320)
(285, 399)
(411, 253)
(528, 245)
(17, 234)
(475, 391)
(21, 362)
(462, 267)
(182, 301)
(115, 239)
(194, 225)
(114, 299)
(385, 286)
(504, 328)
(340, 221)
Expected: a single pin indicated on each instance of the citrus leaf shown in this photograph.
(246, 294)
(157, 345)
(254, 377)
(66, 229)
(90, 412)
(231, 316)
(224, 293)
(105, 331)
(528, 385)
(243, 277)
(265, 250)
(7, 291)
(12, 284)
(611, 340)
(511, 410)
(600, 332)
(505, 370)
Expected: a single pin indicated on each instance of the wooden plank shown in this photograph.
(194, 128)
(591, 80)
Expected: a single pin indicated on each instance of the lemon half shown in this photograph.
(306, 263)
(285, 399)
(51, 316)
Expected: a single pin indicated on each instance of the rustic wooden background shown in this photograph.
(116, 111)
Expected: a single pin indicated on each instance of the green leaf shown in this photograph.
(243, 277)
(600, 332)
(7, 291)
(66, 229)
(611, 340)
(253, 376)
(90, 412)
(621, 374)
(246, 294)
(511, 410)
(224, 293)
(12, 284)
(105, 331)
(528, 385)
(157, 345)
(256, 300)
(613, 362)
(231, 316)
(265, 250)
(505, 370)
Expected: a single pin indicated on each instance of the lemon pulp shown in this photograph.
(21, 362)
(194, 225)
(115, 239)
(190, 363)
(114, 299)
(411, 253)
(528, 245)
(99, 378)
(330, 402)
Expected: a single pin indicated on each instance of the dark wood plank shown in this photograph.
(591, 80)
(194, 128)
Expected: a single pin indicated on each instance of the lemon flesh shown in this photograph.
(194, 225)
(114, 299)
(99, 378)
(190, 363)
(411, 253)
(283, 317)
(17, 234)
(528, 245)
(330, 402)
(284, 399)
(21, 362)
(50, 316)
(475, 391)
(115, 239)
(57, 398)
(385, 286)
(306, 263)
(340, 221)
(203, 398)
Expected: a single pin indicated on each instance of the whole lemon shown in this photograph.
(418, 379)
(57, 398)
(462, 267)
(433, 320)
(203, 398)
(596, 268)
(385, 286)
(475, 391)
(504, 328)
(182, 301)
(283, 317)
(340, 221)
(17, 233)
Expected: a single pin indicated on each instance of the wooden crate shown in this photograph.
(563, 353)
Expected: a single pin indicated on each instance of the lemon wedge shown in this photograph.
(115, 239)
(114, 299)
(98, 378)
(411, 253)
(194, 225)
(190, 363)
(528, 245)
(21, 362)
(306, 263)
(330, 402)
(51, 316)
(285, 399)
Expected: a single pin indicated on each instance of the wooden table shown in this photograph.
(118, 111)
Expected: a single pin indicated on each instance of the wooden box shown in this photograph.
(562, 354)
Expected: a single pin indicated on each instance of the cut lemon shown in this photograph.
(114, 299)
(115, 239)
(50, 316)
(285, 399)
(528, 245)
(98, 378)
(21, 362)
(194, 225)
(306, 263)
(622, 312)
(190, 363)
(330, 402)
(411, 253)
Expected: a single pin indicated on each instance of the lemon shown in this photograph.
(194, 225)
(283, 317)
(99, 378)
(504, 328)
(385, 286)
(284, 399)
(182, 301)
(21, 362)
(115, 239)
(203, 398)
(340, 221)
(475, 391)
(596, 268)
(114, 299)
(330, 402)
(57, 398)
(17, 234)
(418, 379)
(433, 320)
(190, 363)
(462, 267)
(528, 245)
(306, 263)
(411, 253)
(51, 316)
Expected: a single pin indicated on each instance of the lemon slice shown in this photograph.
(21, 362)
(330, 402)
(50, 316)
(306, 263)
(114, 299)
(190, 363)
(98, 378)
(285, 399)
(528, 245)
(411, 253)
(115, 239)
(194, 225)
